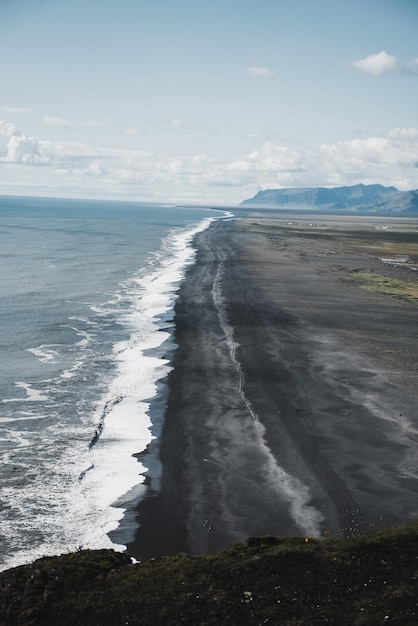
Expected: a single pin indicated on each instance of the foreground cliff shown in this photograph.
(365, 580)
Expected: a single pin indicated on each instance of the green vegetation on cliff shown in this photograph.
(364, 580)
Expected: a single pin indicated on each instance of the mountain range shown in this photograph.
(352, 199)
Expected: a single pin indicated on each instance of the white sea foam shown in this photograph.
(71, 372)
(84, 320)
(127, 427)
(24, 418)
(86, 336)
(45, 353)
(16, 438)
(32, 395)
(77, 495)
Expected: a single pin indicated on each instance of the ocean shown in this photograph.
(86, 310)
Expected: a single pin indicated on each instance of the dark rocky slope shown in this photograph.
(366, 580)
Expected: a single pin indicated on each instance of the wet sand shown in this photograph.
(292, 405)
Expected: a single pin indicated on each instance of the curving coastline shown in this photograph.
(287, 413)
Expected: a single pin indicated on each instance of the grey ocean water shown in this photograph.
(86, 314)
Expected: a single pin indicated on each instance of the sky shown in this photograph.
(206, 101)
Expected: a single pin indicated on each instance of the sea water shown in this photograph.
(86, 312)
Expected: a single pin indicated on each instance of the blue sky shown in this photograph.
(206, 100)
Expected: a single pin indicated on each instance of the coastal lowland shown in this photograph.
(292, 413)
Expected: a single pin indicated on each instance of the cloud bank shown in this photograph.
(31, 165)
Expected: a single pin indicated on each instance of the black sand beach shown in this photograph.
(292, 404)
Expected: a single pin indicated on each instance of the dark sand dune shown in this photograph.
(293, 400)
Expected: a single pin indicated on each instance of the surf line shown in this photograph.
(229, 335)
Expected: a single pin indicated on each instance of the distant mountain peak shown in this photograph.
(354, 198)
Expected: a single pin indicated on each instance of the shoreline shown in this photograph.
(283, 417)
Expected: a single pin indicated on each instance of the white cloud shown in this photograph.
(377, 63)
(25, 149)
(77, 168)
(383, 62)
(260, 71)
(412, 67)
(130, 131)
(7, 130)
(16, 109)
(15, 147)
(59, 122)
(93, 123)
